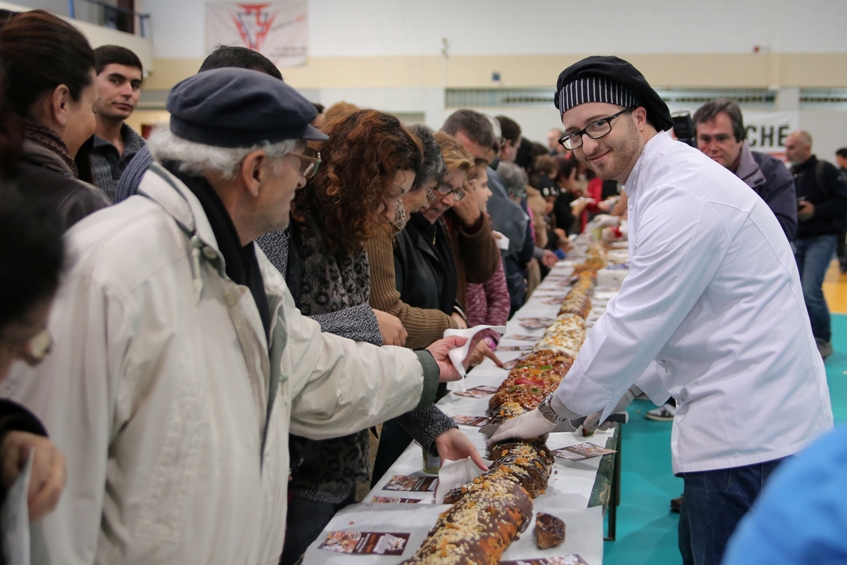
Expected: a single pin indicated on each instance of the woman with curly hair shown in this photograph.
(369, 162)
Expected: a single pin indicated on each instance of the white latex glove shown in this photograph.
(526, 426)
(592, 422)
(605, 221)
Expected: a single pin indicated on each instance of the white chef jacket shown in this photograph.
(712, 313)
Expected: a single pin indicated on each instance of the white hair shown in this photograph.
(514, 177)
(495, 125)
(198, 159)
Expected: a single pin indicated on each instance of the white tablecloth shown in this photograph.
(568, 492)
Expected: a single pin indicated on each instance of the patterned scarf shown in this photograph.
(48, 138)
(400, 218)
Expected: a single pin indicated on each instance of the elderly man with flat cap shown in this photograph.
(183, 361)
(711, 313)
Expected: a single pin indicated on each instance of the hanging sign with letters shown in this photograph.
(766, 131)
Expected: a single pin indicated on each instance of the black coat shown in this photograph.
(40, 172)
(424, 271)
(823, 187)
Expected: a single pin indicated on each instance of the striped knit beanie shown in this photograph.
(614, 81)
(596, 89)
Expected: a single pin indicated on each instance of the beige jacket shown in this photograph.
(171, 408)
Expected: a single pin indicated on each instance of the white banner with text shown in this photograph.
(277, 30)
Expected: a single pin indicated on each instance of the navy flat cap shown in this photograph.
(633, 89)
(233, 107)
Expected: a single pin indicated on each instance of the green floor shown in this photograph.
(646, 529)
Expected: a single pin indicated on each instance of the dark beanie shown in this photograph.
(614, 81)
(232, 107)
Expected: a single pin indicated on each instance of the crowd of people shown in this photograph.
(233, 304)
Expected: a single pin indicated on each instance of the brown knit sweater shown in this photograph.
(475, 254)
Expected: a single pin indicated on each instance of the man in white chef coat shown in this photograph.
(712, 312)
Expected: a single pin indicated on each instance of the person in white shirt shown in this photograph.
(712, 312)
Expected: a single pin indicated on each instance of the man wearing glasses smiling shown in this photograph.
(711, 313)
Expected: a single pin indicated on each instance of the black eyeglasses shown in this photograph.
(444, 189)
(310, 160)
(594, 130)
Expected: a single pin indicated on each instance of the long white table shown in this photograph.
(571, 483)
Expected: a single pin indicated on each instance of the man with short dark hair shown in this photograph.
(233, 56)
(822, 205)
(473, 131)
(511, 139)
(841, 159)
(224, 56)
(709, 313)
(119, 77)
(722, 137)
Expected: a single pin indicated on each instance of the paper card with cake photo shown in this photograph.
(530, 325)
(365, 543)
(477, 391)
(473, 421)
(341, 542)
(545, 291)
(534, 323)
(386, 544)
(393, 500)
(411, 483)
(562, 560)
(581, 451)
(515, 347)
(521, 337)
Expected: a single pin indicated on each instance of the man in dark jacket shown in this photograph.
(822, 205)
(721, 136)
(841, 161)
